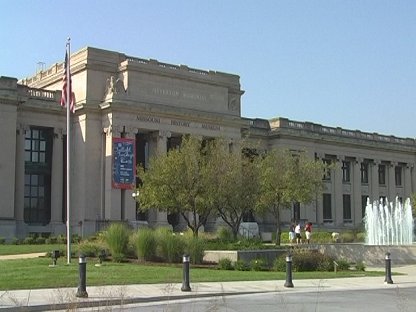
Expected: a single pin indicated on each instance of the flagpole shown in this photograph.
(68, 144)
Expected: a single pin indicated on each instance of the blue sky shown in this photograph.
(350, 64)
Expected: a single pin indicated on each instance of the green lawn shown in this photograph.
(36, 273)
(8, 249)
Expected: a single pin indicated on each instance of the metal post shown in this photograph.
(101, 257)
(185, 283)
(388, 279)
(288, 282)
(82, 288)
(55, 256)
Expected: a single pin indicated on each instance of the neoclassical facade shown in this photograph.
(122, 99)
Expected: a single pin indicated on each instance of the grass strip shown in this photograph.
(36, 273)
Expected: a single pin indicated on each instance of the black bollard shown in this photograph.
(101, 257)
(288, 282)
(388, 279)
(185, 283)
(55, 256)
(82, 287)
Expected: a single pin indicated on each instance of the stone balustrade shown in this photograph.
(279, 123)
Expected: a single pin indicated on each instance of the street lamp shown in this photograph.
(135, 194)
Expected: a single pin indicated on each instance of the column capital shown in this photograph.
(108, 130)
(58, 133)
(376, 162)
(340, 157)
(164, 134)
(22, 128)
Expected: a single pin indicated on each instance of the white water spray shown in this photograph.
(388, 224)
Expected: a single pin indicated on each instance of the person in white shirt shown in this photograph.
(298, 233)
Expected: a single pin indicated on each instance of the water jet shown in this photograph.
(388, 223)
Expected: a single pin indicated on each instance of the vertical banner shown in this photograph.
(124, 163)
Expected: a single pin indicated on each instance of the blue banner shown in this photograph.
(124, 163)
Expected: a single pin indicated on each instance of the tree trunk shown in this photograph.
(235, 233)
(278, 227)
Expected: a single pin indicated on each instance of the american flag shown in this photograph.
(67, 86)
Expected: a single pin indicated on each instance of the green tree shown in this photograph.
(233, 183)
(413, 203)
(175, 182)
(286, 178)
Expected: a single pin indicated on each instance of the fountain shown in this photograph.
(388, 224)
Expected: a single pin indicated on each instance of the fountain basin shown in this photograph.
(371, 255)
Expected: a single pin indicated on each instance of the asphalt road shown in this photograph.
(374, 300)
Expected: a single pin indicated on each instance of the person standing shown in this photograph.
(291, 233)
(298, 233)
(308, 231)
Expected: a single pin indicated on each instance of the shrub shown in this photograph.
(61, 239)
(30, 240)
(241, 265)
(2, 240)
(90, 249)
(144, 242)
(51, 240)
(225, 235)
(347, 237)
(194, 247)
(321, 237)
(360, 237)
(117, 238)
(75, 238)
(249, 244)
(15, 241)
(258, 265)
(306, 260)
(279, 264)
(225, 264)
(343, 265)
(360, 266)
(40, 240)
(325, 263)
(170, 247)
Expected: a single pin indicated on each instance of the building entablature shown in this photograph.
(104, 76)
(308, 130)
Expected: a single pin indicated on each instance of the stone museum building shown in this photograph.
(128, 109)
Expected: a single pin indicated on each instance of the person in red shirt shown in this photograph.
(308, 231)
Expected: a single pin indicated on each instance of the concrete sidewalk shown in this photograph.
(106, 296)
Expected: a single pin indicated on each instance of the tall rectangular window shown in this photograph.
(327, 171)
(327, 209)
(346, 171)
(364, 172)
(382, 174)
(38, 164)
(346, 204)
(363, 205)
(398, 175)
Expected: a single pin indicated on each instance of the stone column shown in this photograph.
(407, 180)
(158, 146)
(391, 186)
(57, 178)
(337, 193)
(112, 196)
(374, 184)
(20, 173)
(356, 192)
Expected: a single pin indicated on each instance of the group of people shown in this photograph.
(295, 232)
